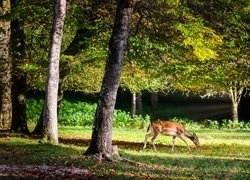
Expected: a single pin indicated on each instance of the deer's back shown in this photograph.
(169, 127)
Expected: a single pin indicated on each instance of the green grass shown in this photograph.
(222, 155)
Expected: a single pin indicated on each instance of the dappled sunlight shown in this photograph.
(215, 160)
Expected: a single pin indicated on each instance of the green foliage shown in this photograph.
(123, 119)
(226, 124)
(229, 124)
(212, 124)
(189, 124)
(34, 109)
(77, 113)
(203, 40)
(82, 114)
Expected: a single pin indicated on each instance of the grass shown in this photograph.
(223, 154)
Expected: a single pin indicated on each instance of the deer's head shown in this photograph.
(196, 140)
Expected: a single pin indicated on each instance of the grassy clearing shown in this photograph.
(223, 154)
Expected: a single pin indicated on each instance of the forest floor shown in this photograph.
(222, 155)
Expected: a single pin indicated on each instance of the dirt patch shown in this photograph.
(44, 172)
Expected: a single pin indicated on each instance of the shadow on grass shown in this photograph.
(23, 151)
(205, 167)
(138, 146)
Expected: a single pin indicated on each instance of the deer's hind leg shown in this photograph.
(173, 143)
(146, 138)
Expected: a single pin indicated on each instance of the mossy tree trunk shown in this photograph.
(5, 68)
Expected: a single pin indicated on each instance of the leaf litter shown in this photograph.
(44, 171)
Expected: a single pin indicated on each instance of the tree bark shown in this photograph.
(235, 94)
(139, 103)
(50, 130)
(133, 104)
(19, 87)
(101, 141)
(5, 68)
(235, 115)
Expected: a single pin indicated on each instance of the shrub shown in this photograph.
(212, 124)
(226, 124)
(33, 109)
(77, 113)
(189, 124)
(82, 114)
(229, 124)
(123, 119)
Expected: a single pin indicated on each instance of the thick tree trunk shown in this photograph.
(50, 130)
(101, 141)
(133, 104)
(19, 120)
(5, 68)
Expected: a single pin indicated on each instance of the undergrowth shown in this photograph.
(82, 114)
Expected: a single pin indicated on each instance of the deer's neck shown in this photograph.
(189, 135)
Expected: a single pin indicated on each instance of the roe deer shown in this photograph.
(174, 129)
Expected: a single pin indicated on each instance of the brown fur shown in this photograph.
(174, 129)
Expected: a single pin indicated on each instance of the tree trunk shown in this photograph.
(19, 119)
(64, 71)
(139, 103)
(75, 47)
(133, 104)
(235, 94)
(50, 130)
(5, 68)
(101, 141)
(154, 100)
(235, 116)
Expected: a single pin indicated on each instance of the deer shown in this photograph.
(170, 128)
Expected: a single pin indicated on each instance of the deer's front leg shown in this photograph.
(153, 142)
(185, 142)
(173, 143)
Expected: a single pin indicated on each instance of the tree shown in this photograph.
(50, 131)
(75, 73)
(230, 73)
(137, 78)
(5, 67)
(101, 141)
(19, 85)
